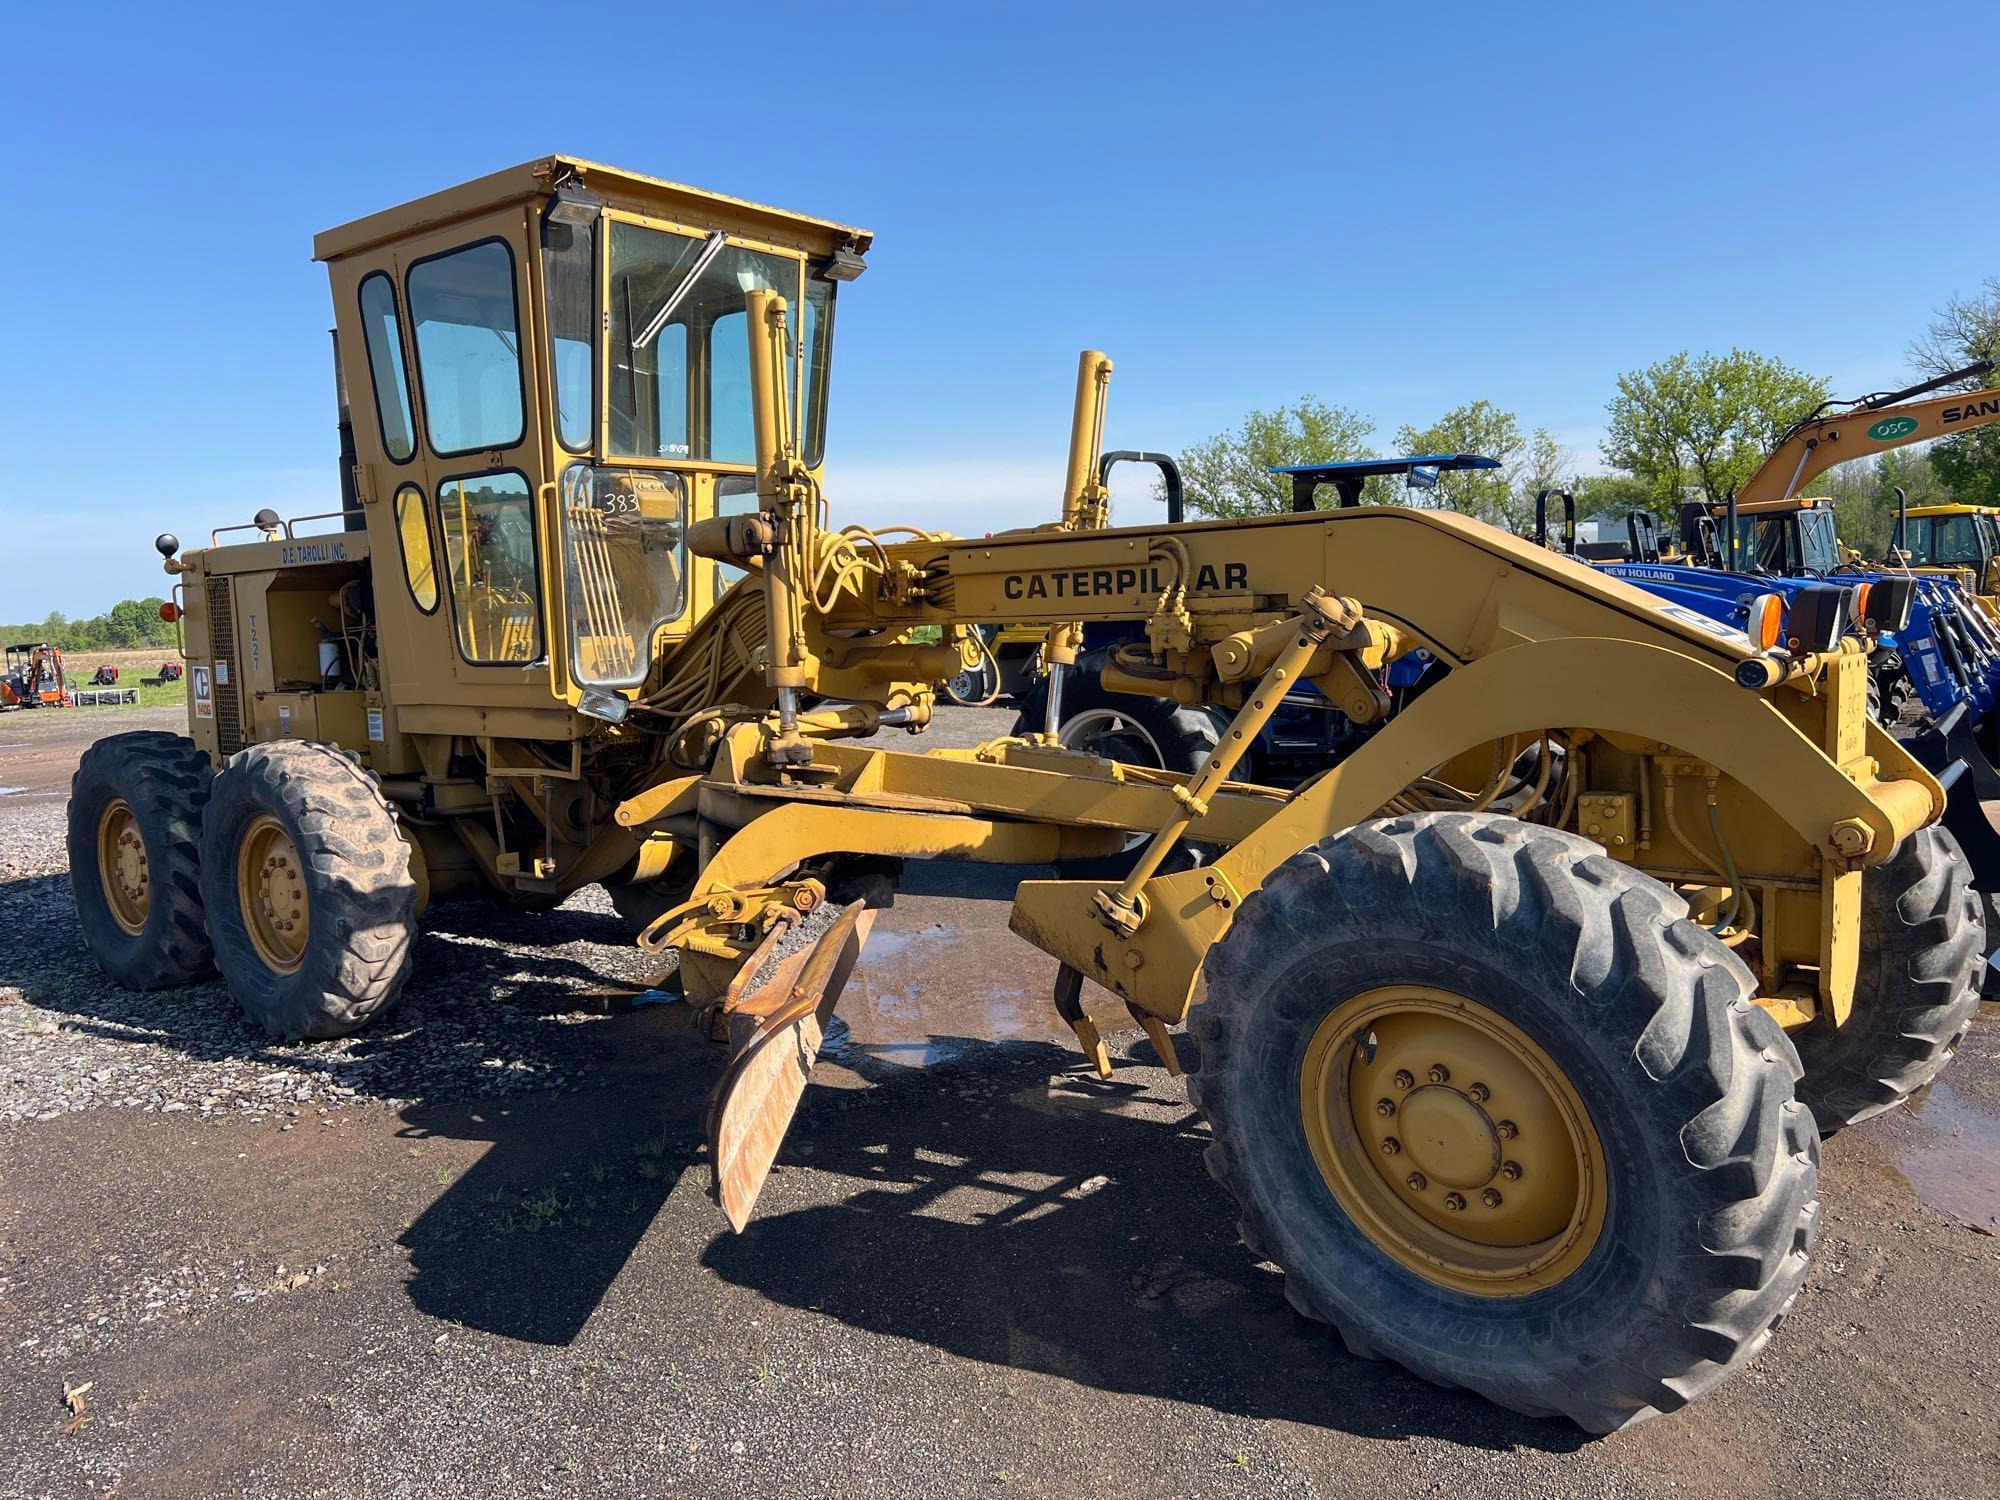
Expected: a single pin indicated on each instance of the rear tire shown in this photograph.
(1922, 953)
(334, 951)
(1699, 1168)
(1153, 732)
(152, 786)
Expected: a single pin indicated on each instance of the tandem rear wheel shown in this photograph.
(135, 812)
(1923, 950)
(1504, 1114)
(310, 901)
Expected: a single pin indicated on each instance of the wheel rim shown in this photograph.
(1097, 727)
(271, 890)
(1453, 1141)
(122, 867)
(1106, 732)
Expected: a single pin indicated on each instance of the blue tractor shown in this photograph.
(1306, 734)
(1935, 665)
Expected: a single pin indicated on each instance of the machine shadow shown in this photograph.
(527, 1243)
(1011, 1208)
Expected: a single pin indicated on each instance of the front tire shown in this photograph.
(135, 808)
(1917, 990)
(311, 905)
(1645, 1094)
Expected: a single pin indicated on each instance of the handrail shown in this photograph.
(285, 525)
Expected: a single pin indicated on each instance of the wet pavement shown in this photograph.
(491, 1267)
(1952, 1151)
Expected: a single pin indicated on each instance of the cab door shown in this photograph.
(468, 298)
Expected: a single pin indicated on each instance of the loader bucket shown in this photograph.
(775, 1028)
(1950, 750)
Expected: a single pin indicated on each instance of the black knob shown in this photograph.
(167, 544)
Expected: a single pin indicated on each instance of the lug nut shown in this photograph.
(1405, 1079)
(1385, 1107)
(1416, 1182)
(1453, 1202)
(1390, 1145)
(1491, 1197)
(1507, 1129)
(1511, 1170)
(1479, 1093)
(1440, 1073)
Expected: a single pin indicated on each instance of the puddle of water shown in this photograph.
(9, 791)
(1957, 1172)
(886, 946)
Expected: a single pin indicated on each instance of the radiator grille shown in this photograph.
(222, 648)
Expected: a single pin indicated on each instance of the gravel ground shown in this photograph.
(471, 1252)
(69, 1041)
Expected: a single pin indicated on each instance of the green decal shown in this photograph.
(1891, 428)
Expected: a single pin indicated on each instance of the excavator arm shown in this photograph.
(1873, 425)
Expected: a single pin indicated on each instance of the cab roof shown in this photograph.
(1918, 512)
(620, 189)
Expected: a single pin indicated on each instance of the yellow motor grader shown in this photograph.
(1517, 1028)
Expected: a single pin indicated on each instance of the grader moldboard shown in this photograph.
(1483, 1078)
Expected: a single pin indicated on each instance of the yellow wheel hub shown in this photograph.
(271, 890)
(122, 868)
(1453, 1141)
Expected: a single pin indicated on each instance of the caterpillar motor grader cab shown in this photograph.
(1517, 1027)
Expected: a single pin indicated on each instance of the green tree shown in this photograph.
(1547, 464)
(1229, 474)
(1612, 497)
(1863, 492)
(1698, 426)
(1965, 329)
(1487, 494)
(1608, 499)
(128, 624)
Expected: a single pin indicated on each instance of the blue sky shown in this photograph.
(1395, 208)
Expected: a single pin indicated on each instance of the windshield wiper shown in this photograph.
(711, 248)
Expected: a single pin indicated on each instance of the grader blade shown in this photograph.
(775, 1031)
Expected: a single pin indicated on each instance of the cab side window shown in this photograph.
(468, 348)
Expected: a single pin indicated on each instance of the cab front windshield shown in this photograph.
(1787, 543)
(1952, 541)
(676, 357)
(680, 345)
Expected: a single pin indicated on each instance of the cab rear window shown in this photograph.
(382, 329)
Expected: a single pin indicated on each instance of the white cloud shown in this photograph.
(968, 496)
